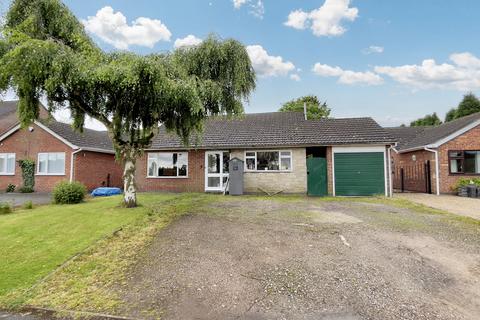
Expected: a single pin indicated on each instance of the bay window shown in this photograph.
(52, 163)
(7, 163)
(268, 160)
(464, 162)
(167, 164)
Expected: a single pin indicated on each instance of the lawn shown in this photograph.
(35, 242)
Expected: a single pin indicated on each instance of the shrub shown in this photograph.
(26, 189)
(5, 208)
(28, 205)
(69, 192)
(463, 182)
(10, 188)
(28, 174)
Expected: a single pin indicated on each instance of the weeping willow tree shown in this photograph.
(45, 52)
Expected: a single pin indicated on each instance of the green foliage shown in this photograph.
(315, 108)
(463, 182)
(451, 115)
(470, 104)
(25, 189)
(10, 188)
(46, 52)
(28, 205)
(428, 120)
(66, 192)
(5, 208)
(28, 175)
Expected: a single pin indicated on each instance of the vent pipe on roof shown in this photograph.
(305, 110)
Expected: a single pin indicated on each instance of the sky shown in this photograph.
(392, 60)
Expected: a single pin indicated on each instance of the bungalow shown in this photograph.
(60, 153)
(281, 151)
(432, 159)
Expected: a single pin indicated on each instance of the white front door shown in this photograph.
(216, 170)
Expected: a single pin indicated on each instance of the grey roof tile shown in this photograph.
(278, 129)
(87, 139)
(412, 139)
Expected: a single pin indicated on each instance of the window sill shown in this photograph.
(186, 177)
(50, 174)
(7, 174)
(464, 174)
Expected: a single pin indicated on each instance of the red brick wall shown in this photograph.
(92, 169)
(27, 145)
(467, 141)
(194, 183)
(406, 160)
(329, 171)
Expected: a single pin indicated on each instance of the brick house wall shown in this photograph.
(467, 141)
(290, 182)
(27, 145)
(92, 169)
(195, 182)
(404, 160)
(329, 171)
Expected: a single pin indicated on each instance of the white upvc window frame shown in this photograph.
(4, 171)
(48, 154)
(280, 157)
(168, 177)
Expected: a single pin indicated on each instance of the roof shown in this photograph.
(88, 139)
(278, 129)
(8, 117)
(404, 135)
(413, 138)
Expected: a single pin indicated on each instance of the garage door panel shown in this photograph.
(359, 174)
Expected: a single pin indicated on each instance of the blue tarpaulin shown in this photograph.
(106, 192)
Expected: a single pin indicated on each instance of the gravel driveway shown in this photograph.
(468, 207)
(250, 258)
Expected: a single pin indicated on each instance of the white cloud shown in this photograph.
(326, 20)
(347, 76)
(373, 49)
(257, 8)
(239, 3)
(112, 27)
(188, 41)
(295, 77)
(462, 74)
(266, 65)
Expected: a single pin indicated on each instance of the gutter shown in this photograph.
(71, 163)
(437, 169)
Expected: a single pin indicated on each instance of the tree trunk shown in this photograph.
(129, 185)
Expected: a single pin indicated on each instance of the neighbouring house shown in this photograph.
(282, 152)
(60, 153)
(432, 159)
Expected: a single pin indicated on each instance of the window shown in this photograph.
(7, 163)
(51, 163)
(464, 162)
(268, 160)
(167, 164)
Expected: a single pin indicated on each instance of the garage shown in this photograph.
(359, 172)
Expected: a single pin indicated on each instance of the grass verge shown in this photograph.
(109, 236)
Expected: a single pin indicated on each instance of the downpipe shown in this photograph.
(437, 170)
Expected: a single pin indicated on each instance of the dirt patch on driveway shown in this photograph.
(246, 258)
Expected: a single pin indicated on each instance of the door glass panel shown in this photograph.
(214, 182)
(214, 163)
(226, 159)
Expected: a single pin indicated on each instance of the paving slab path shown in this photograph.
(468, 207)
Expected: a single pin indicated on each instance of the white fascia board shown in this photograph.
(454, 135)
(68, 143)
(10, 132)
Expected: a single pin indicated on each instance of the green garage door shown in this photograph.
(359, 174)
